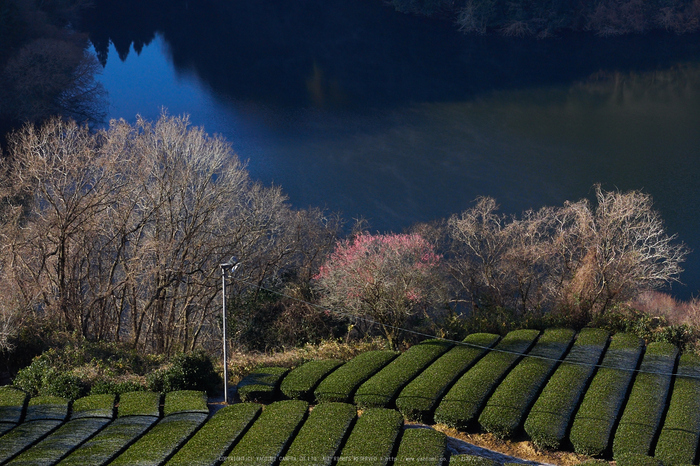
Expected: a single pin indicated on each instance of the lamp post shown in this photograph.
(226, 268)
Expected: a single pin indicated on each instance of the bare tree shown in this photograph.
(571, 257)
(119, 234)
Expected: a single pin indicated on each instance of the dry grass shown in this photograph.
(522, 449)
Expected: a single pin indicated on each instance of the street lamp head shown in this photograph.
(231, 265)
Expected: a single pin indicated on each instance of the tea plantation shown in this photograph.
(608, 397)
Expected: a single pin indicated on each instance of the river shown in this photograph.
(349, 105)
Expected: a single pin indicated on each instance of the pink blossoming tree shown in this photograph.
(382, 278)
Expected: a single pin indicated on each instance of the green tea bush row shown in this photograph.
(418, 399)
(341, 384)
(216, 437)
(300, 383)
(262, 384)
(320, 437)
(94, 406)
(422, 447)
(471, 460)
(550, 416)
(110, 441)
(139, 404)
(381, 389)
(161, 441)
(637, 459)
(645, 407)
(601, 405)
(47, 407)
(679, 436)
(185, 401)
(461, 405)
(23, 436)
(13, 402)
(373, 438)
(61, 441)
(505, 410)
(269, 436)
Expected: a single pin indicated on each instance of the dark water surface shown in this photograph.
(350, 105)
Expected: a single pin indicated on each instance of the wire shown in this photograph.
(462, 343)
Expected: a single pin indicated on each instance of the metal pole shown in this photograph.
(223, 313)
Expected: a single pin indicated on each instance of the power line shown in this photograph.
(462, 343)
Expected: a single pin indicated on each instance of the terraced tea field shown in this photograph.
(610, 397)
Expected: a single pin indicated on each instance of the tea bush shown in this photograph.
(423, 447)
(418, 399)
(110, 441)
(381, 389)
(300, 383)
(23, 436)
(61, 441)
(270, 434)
(94, 406)
(601, 405)
(262, 384)
(373, 438)
(636, 459)
(341, 384)
(216, 437)
(47, 407)
(645, 406)
(139, 404)
(471, 460)
(185, 401)
(678, 440)
(506, 408)
(461, 405)
(550, 416)
(13, 402)
(321, 435)
(161, 441)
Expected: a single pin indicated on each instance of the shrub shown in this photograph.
(300, 383)
(261, 384)
(380, 390)
(505, 410)
(110, 441)
(101, 387)
(94, 406)
(636, 459)
(139, 404)
(372, 440)
(268, 437)
(12, 404)
(341, 384)
(161, 441)
(419, 398)
(422, 447)
(472, 460)
(645, 407)
(23, 436)
(59, 442)
(592, 426)
(216, 437)
(679, 436)
(188, 371)
(321, 435)
(40, 378)
(185, 401)
(461, 405)
(552, 413)
(47, 407)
